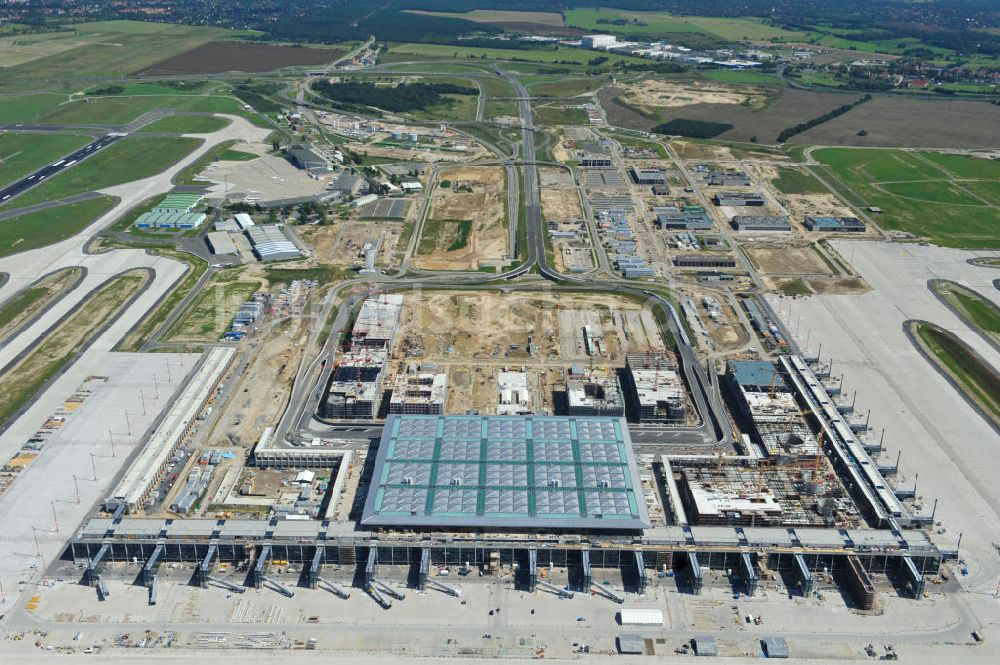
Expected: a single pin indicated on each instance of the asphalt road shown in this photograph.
(27, 182)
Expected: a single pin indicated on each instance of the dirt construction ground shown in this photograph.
(262, 392)
(560, 198)
(341, 244)
(787, 260)
(473, 335)
(467, 221)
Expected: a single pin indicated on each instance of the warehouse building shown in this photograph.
(728, 179)
(174, 211)
(307, 159)
(598, 41)
(347, 184)
(683, 220)
(761, 223)
(219, 242)
(738, 199)
(420, 393)
(835, 224)
(645, 176)
(270, 243)
(705, 261)
(596, 394)
(530, 473)
(656, 386)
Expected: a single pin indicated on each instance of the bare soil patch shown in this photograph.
(838, 285)
(218, 57)
(787, 260)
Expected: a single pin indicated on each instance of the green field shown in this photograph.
(113, 49)
(154, 319)
(977, 379)
(916, 194)
(123, 161)
(51, 354)
(20, 154)
(209, 315)
(30, 301)
(560, 54)
(662, 24)
(188, 124)
(19, 108)
(979, 313)
(549, 116)
(797, 181)
(38, 229)
(438, 231)
(119, 110)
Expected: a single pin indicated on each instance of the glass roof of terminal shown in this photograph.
(532, 472)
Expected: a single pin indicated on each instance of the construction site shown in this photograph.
(466, 225)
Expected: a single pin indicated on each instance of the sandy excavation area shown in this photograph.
(667, 94)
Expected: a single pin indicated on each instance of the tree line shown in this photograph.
(819, 120)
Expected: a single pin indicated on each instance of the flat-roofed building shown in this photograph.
(738, 199)
(702, 260)
(834, 224)
(648, 176)
(761, 223)
(513, 396)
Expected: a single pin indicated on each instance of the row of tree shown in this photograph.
(398, 99)
(819, 120)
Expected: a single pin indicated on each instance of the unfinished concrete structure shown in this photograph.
(656, 386)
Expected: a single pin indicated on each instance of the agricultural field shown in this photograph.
(467, 222)
(907, 122)
(188, 124)
(764, 122)
(557, 54)
(52, 353)
(217, 57)
(915, 194)
(966, 370)
(49, 226)
(552, 19)
(209, 315)
(20, 309)
(123, 161)
(663, 25)
(20, 154)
